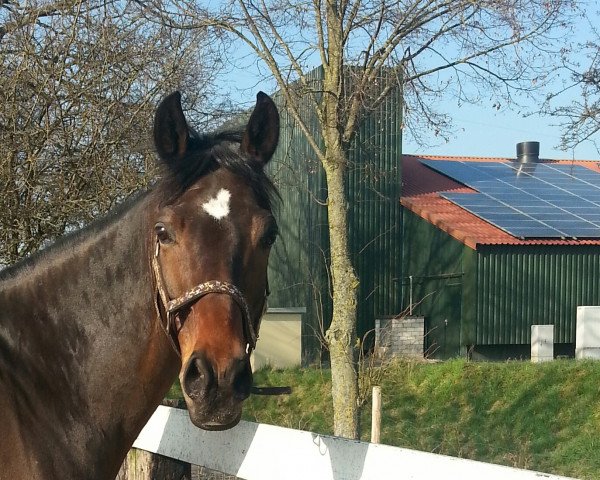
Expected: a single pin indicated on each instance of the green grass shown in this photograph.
(542, 417)
(538, 416)
(307, 408)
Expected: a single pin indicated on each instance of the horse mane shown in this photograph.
(71, 238)
(206, 153)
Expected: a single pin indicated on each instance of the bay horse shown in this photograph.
(94, 329)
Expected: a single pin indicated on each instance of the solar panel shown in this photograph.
(529, 201)
(509, 219)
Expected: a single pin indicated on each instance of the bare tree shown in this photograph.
(579, 116)
(79, 82)
(429, 49)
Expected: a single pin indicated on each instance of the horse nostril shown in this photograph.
(198, 377)
(241, 378)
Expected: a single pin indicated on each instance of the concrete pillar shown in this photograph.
(587, 341)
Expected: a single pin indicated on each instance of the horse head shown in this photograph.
(211, 235)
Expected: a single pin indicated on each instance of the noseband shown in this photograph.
(174, 306)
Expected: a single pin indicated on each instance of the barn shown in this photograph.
(419, 249)
(491, 246)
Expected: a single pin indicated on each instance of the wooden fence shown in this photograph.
(265, 452)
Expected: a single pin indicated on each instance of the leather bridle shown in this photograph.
(172, 307)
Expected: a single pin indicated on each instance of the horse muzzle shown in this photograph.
(214, 399)
(213, 425)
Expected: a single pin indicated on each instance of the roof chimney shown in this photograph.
(528, 152)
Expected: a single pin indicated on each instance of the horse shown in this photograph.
(94, 328)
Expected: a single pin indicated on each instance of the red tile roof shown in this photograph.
(421, 187)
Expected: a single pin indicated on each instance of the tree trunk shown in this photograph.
(341, 336)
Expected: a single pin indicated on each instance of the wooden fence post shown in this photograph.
(376, 416)
(142, 465)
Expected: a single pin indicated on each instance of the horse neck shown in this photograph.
(82, 351)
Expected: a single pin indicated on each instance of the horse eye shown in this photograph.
(162, 233)
(270, 236)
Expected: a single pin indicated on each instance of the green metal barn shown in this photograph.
(478, 287)
(297, 268)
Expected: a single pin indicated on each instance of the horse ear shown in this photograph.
(171, 132)
(262, 132)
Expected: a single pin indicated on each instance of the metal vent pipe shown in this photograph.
(528, 152)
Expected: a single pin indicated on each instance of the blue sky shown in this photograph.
(479, 130)
(482, 131)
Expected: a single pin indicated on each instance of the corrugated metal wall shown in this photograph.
(523, 286)
(436, 262)
(298, 273)
(374, 183)
(492, 296)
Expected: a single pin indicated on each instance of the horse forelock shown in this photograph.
(208, 153)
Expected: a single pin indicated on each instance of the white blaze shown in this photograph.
(218, 207)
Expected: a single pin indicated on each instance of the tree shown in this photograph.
(467, 49)
(79, 86)
(579, 118)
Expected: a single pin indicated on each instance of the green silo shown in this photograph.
(298, 265)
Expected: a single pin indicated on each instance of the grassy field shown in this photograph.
(538, 416)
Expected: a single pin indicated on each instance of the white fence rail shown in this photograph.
(265, 452)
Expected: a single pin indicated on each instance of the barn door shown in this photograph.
(443, 321)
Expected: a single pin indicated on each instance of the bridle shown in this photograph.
(172, 307)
